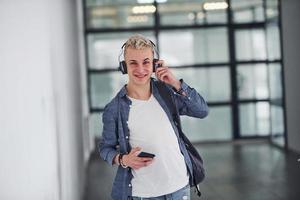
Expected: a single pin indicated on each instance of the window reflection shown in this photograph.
(188, 47)
(273, 42)
(189, 13)
(95, 124)
(245, 11)
(206, 129)
(212, 83)
(277, 120)
(250, 44)
(277, 125)
(255, 119)
(253, 81)
(113, 15)
(104, 87)
(275, 71)
(272, 9)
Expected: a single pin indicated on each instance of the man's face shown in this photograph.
(139, 65)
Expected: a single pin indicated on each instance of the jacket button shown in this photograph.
(127, 137)
(129, 185)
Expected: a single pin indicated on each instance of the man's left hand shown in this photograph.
(164, 74)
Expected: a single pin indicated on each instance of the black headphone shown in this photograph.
(123, 66)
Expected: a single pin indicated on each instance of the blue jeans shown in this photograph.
(182, 194)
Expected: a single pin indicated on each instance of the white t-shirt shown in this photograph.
(151, 130)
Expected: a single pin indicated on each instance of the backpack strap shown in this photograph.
(165, 94)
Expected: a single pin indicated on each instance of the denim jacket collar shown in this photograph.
(123, 91)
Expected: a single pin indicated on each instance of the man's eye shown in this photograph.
(133, 64)
(146, 62)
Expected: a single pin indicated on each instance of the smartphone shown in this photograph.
(146, 155)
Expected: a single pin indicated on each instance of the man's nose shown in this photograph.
(140, 67)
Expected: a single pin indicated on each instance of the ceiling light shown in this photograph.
(103, 12)
(143, 9)
(151, 1)
(215, 5)
(137, 19)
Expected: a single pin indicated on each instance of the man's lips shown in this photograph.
(140, 75)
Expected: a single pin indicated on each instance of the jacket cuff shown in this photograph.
(110, 157)
(183, 88)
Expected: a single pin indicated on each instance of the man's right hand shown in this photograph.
(132, 160)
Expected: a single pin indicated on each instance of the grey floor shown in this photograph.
(235, 171)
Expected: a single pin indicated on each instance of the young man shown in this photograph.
(138, 119)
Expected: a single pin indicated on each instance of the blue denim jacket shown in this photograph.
(115, 136)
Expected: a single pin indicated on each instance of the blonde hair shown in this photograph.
(139, 42)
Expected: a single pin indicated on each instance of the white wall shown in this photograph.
(41, 151)
(291, 50)
(88, 138)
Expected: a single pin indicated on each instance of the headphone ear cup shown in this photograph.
(123, 67)
(154, 64)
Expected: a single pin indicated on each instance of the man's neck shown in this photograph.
(142, 92)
